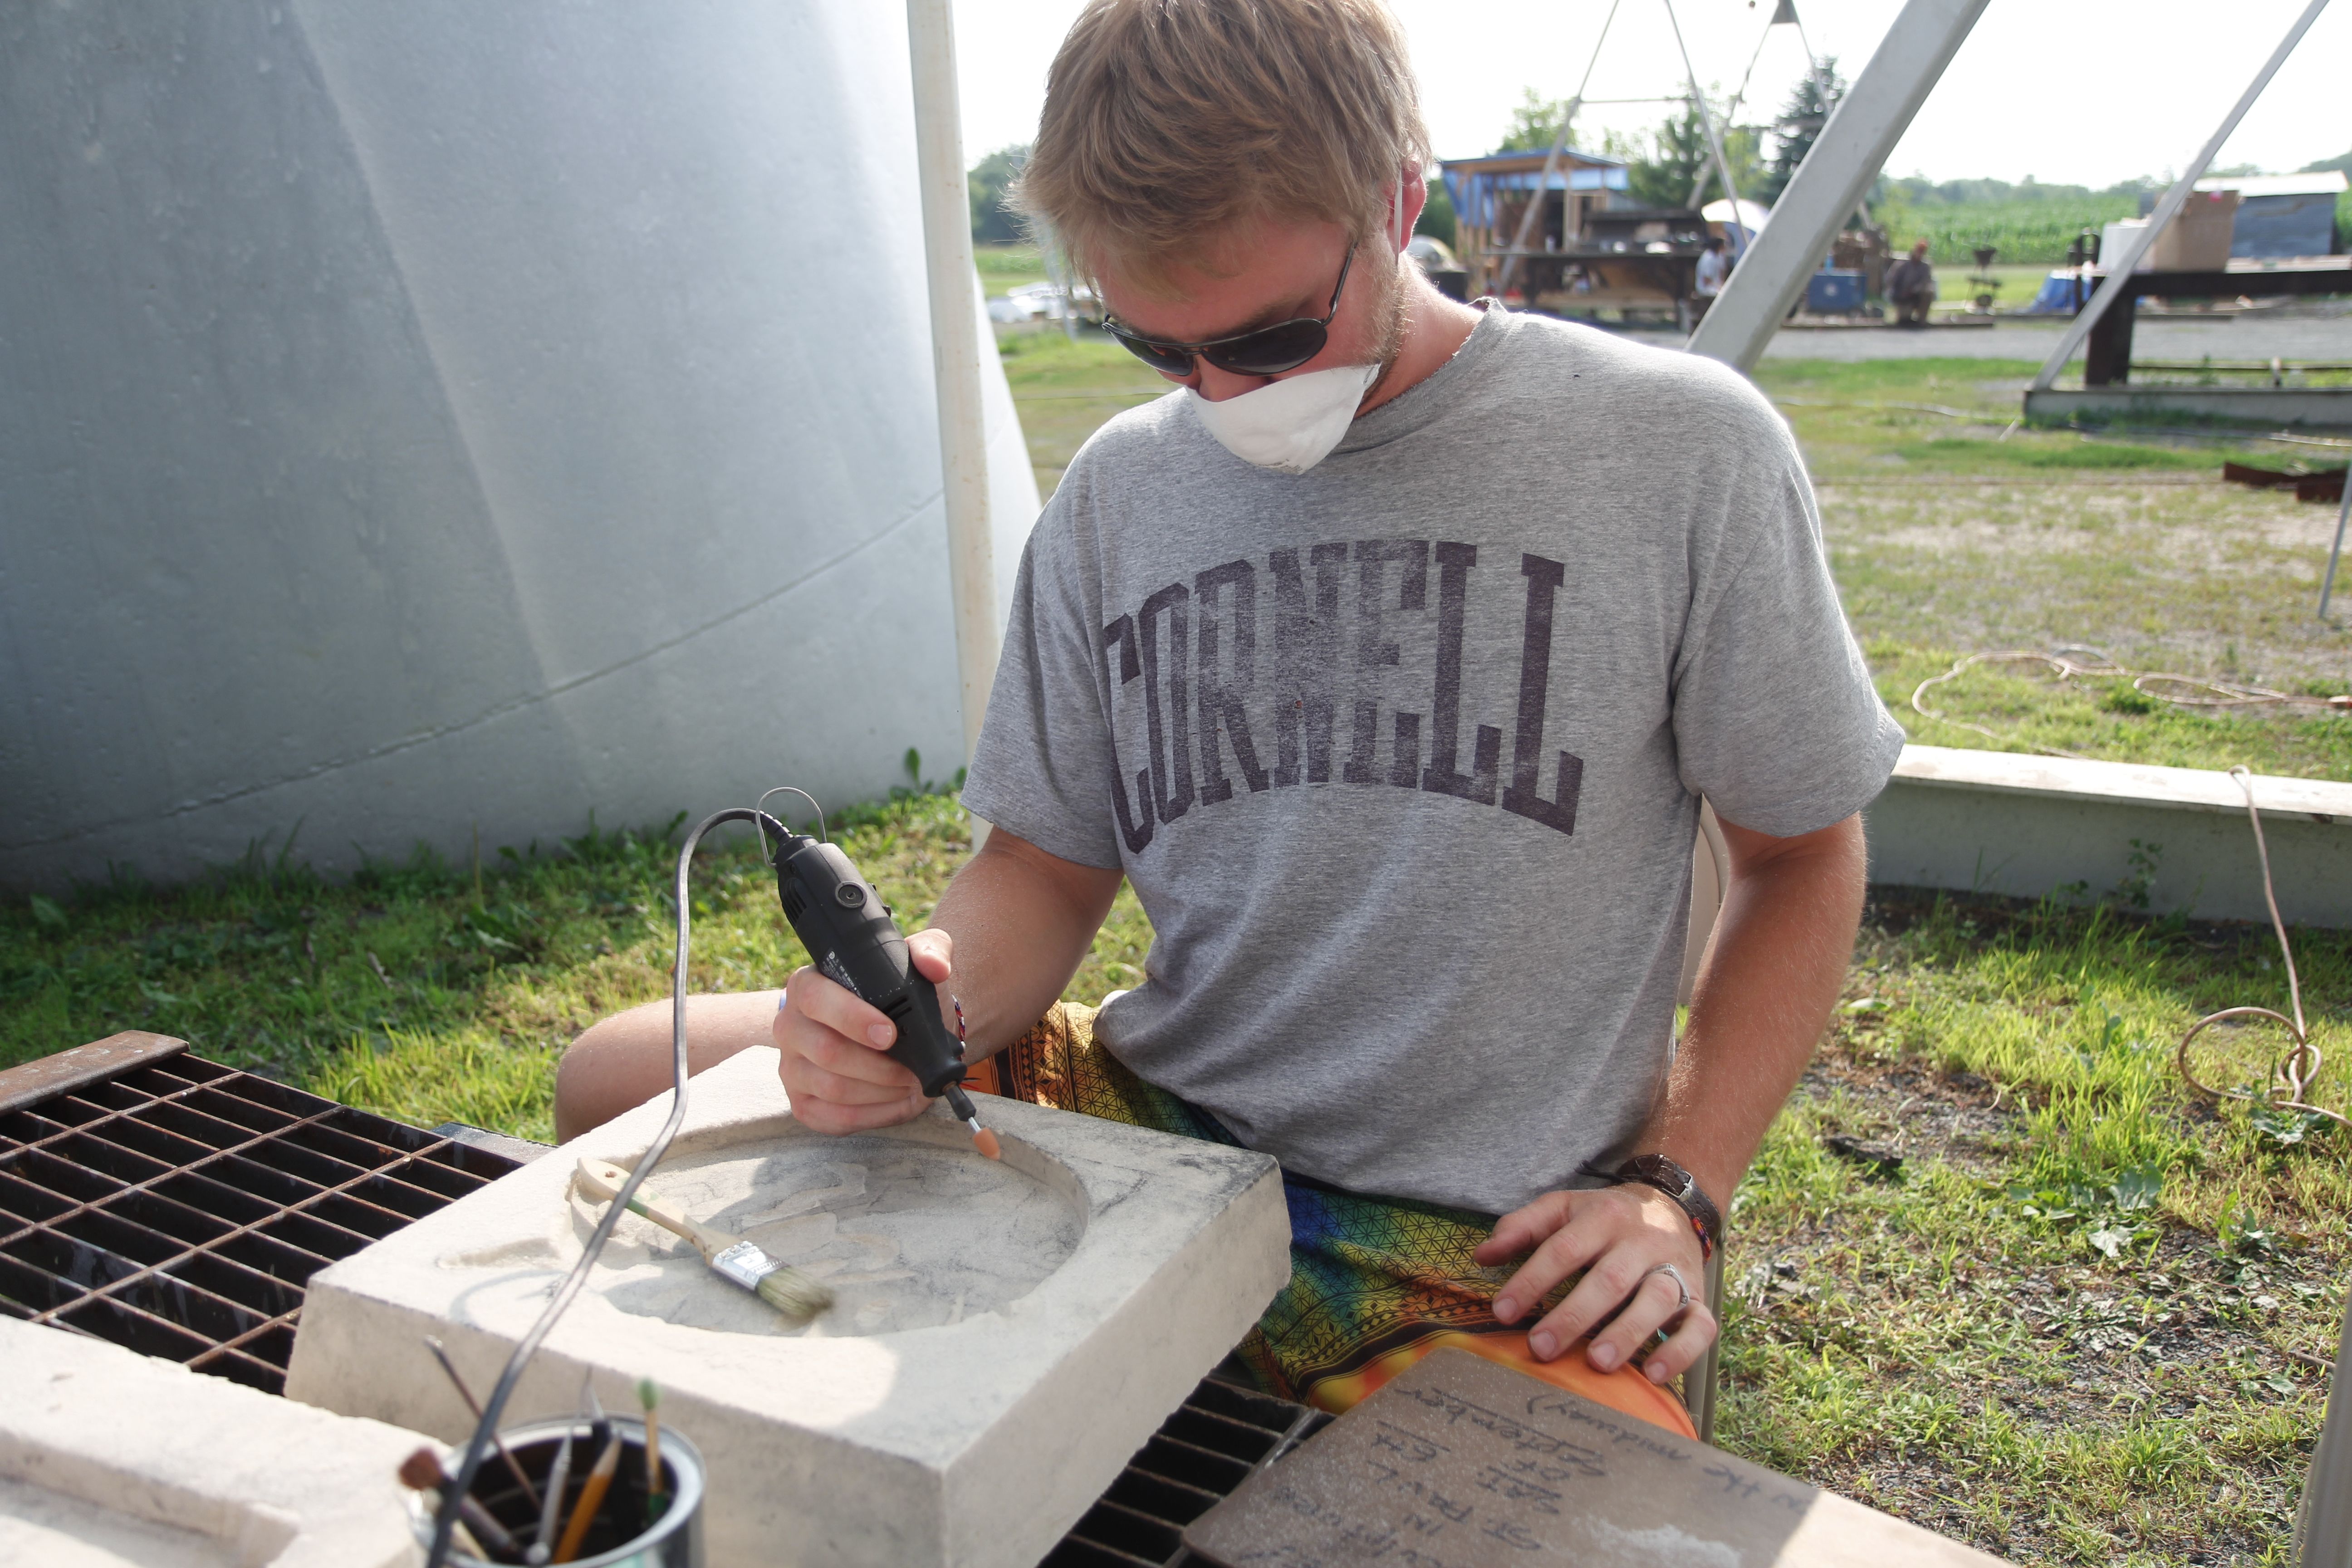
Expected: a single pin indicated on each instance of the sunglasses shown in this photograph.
(1269, 351)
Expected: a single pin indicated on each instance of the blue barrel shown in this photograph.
(1834, 291)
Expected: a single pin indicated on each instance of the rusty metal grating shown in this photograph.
(180, 1206)
(1220, 1436)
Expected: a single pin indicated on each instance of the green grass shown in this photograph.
(414, 991)
(2070, 1327)
(1066, 389)
(1952, 531)
(2026, 707)
(1004, 266)
(2014, 286)
(1963, 455)
(2035, 232)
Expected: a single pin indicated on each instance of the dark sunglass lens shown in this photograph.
(1271, 352)
(1172, 362)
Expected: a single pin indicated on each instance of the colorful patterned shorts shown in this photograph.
(1375, 1283)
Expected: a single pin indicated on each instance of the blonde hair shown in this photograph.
(1167, 122)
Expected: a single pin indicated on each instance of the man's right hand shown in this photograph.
(834, 1064)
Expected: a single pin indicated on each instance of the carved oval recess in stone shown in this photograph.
(910, 1231)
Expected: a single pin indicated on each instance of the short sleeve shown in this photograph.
(1043, 767)
(1776, 720)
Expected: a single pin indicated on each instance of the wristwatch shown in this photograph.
(1658, 1171)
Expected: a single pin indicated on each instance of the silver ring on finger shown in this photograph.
(1680, 1284)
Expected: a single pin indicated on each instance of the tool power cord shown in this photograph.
(479, 1445)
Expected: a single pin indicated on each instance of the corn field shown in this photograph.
(2026, 233)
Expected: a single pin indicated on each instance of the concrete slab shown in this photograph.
(1004, 1336)
(2270, 408)
(108, 1456)
(2004, 822)
(2313, 332)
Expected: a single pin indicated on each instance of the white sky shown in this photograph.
(2089, 93)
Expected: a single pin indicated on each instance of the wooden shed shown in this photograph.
(1588, 250)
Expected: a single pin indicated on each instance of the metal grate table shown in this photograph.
(1220, 1436)
(179, 1206)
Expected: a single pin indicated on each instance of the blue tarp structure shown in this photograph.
(2059, 296)
(1475, 194)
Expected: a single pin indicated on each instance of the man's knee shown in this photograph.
(620, 1062)
(587, 1091)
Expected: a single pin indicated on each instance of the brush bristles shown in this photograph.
(794, 1294)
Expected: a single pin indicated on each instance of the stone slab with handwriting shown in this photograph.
(1461, 1463)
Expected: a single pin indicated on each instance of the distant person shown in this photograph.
(1714, 266)
(1911, 286)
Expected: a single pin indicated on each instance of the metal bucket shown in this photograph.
(674, 1540)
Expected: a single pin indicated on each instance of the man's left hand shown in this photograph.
(1618, 1236)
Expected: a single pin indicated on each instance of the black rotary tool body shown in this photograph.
(854, 943)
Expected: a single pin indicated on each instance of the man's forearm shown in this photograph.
(1022, 921)
(1779, 959)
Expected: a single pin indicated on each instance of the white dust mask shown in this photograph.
(1291, 424)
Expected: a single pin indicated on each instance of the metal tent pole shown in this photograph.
(955, 354)
(2119, 269)
(1714, 137)
(1535, 203)
(1552, 162)
(1731, 112)
(2335, 551)
(1829, 185)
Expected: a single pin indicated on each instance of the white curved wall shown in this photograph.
(423, 417)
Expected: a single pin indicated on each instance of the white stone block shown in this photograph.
(1004, 1335)
(2002, 822)
(108, 1456)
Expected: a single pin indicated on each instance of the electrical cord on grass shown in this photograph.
(2071, 661)
(2293, 1073)
(478, 1446)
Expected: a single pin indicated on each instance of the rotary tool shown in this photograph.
(854, 941)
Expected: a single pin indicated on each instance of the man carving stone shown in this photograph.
(1389, 657)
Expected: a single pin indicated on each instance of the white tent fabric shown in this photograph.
(424, 419)
(1753, 216)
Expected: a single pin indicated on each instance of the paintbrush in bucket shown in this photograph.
(785, 1289)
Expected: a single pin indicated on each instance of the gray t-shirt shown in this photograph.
(1403, 756)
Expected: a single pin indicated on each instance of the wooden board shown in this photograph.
(84, 1064)
(1461, 1462)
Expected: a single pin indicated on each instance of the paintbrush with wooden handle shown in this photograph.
(785, 1289)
